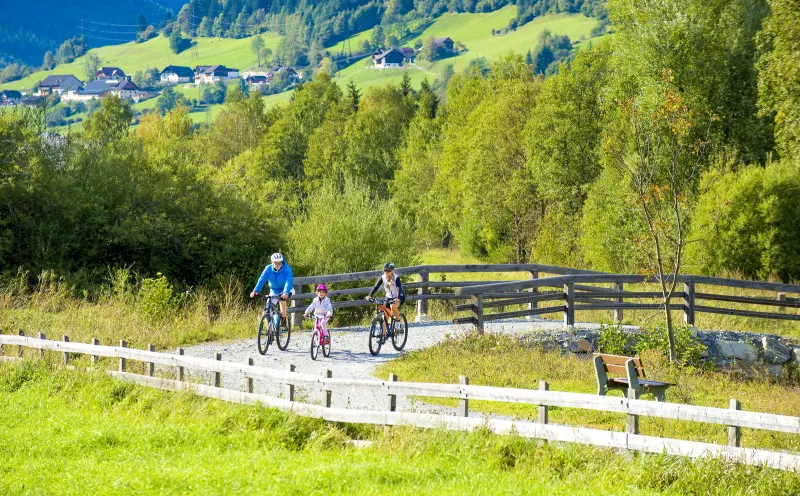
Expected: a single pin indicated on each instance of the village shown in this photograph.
(114, 81)
(109, 80)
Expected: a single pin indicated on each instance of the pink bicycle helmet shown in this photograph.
(322, 287)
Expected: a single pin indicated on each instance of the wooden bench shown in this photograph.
(634, 378)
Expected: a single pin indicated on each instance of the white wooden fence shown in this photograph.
(734, 418)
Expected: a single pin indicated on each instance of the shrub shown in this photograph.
(614, 340)
(689, 350)
(157, 299)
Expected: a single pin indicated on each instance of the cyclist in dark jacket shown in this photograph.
(393, 286)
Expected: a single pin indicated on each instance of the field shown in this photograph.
(71, 432)
(475, 31)
(132, 57)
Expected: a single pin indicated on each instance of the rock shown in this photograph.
(584, 345)
(776, 371)
(737, 349)
(775, 352)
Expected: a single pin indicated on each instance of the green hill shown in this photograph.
(132, 57)
(474, 31)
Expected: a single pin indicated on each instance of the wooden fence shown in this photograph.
(573, 291)
(734, 418)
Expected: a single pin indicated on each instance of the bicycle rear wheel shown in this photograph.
(283, 334)
(375, 337)
(400, 334)
(315, 345)
(264, 330)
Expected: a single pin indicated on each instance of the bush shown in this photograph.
(157, 299)
(689, 350)
(614, 340)
(747, 222)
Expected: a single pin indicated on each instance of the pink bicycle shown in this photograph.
(318, 342)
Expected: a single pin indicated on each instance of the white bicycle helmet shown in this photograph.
(276, 257)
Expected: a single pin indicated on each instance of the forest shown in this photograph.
(655, 148)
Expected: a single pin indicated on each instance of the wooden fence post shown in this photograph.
(296, 318)
(122, 364)
(688, 303)
(328, 392)
(66, 354)
(422, 303)
(543, 409)
(42, 337)
(248, 381)
(734, 431)
(180, 367)
(781, 297)
(391, 399)
(151, 366)
(618, 313)
(463, 403)
(533, 275)
(632, 426)
(95, 342)
(218, 375)
(569, 304)
(20, 348)
(290, 387)
(477, 312)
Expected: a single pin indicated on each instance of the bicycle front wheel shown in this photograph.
(400, 334)
(375, 336)
(315, 345)
(284, 333)
(264, 330)
(326, 347)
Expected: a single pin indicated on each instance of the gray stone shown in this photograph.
(796, 355)
(737, 349)
(776, 371)
(775, 352)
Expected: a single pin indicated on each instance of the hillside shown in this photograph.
(132, 57)
(474, 31)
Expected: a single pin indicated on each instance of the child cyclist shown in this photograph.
(393, 287)
(323, 309)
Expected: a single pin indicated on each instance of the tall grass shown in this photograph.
(70, 432)
(496, 360)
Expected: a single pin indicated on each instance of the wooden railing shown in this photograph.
(734, 418)
(573, 292)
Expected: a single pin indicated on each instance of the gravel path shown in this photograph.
(350, 359)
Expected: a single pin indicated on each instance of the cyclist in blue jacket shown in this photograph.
(280, 278)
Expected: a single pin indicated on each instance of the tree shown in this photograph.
(430, 50)
(354, 94)
(255, 46)
(218, 30)
(91, 64)
(377, 39)
(110, 123)
(205, 28)
(266, 55)
(49, 61)
(405, 84)
(142, 24)
(779, 82)
(168, 100)
(177, 42)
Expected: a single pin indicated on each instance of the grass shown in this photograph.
(475, 31)
(69, 432)
(496, 360)
(132, 57)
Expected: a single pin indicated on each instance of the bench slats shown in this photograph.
(624, 380)
(615, 364)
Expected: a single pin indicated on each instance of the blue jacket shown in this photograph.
(279, 281)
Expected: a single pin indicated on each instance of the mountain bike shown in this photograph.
(317, 341)
(271, 328)
(384, 326)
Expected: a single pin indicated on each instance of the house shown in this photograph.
(31, 101)
(293, 75)
(59, 83)
(177, 74)
(199, 70)
(409, 54)
(256, 82)
(214, 74)
(99, 88)
(390, 58)
(445, 43)
(10, 97)
(104, 73)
